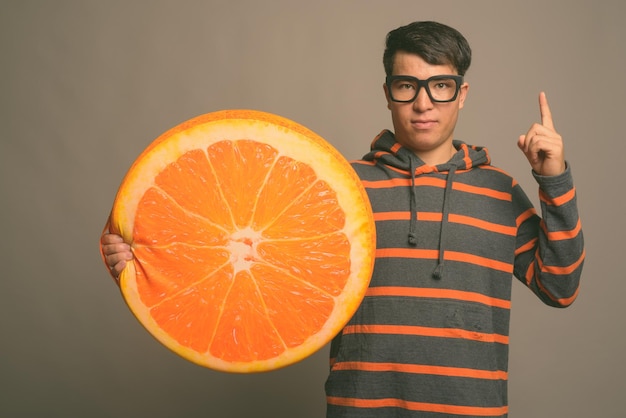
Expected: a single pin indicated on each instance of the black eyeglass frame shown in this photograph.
(458, 79)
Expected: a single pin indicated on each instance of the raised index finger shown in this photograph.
(544, 109)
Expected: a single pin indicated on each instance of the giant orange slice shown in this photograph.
(253, 240)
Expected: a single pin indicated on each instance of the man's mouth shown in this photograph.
(423, 123)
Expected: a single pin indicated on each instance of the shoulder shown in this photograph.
(370, 170)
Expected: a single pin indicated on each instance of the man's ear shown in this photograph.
(463, 94)
(387, 96)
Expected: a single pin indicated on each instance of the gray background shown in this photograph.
(86, 85)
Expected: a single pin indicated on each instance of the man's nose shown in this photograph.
(422, 102)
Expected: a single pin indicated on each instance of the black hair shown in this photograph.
(434, 42)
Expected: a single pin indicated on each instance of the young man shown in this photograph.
(431, 336)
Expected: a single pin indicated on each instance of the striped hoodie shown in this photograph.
(431, 336)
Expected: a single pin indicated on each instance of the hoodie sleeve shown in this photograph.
(550, 253)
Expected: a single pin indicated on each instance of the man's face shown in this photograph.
(423, 126)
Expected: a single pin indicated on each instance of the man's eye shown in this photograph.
(406, 86)
(443, 85)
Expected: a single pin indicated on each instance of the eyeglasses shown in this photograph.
(440, 88)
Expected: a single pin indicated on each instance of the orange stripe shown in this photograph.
(559, 200)
(426, 332)
(479, 223)
(530, 273)
(482, 191)
(527, 214)
(477, 260)
(570, 300)
(429, 216)
(419, 406)
(392, 216)
(438, 294)
(422, 369)
(361, 162)
(331, 361)
(526, 247)
(379, 154)
(467, 159)
(430, 181)
(562, 235)
(425, 169)
(564, 270)
(407, 253)
(385, 183)
(448, 255)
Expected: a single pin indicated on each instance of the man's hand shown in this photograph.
(542, 145)
(116, 253)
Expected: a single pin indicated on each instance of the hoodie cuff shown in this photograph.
(556, 185)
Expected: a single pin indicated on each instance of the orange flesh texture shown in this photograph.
(245, 258)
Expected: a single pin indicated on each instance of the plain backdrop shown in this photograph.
(86, 85)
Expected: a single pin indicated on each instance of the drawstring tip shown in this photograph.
(438, 272)
(412, 239)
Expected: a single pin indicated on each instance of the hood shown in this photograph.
(386, 150)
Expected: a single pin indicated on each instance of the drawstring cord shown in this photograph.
(412, 207)
(438, 273)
